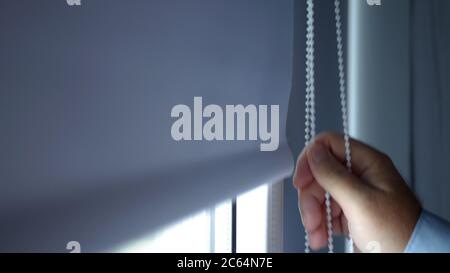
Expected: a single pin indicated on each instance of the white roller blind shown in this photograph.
(85, 113)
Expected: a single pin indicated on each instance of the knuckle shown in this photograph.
(385, 160)
(381, 161)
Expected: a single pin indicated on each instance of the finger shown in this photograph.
(336, 215)
(302, 174)
(311, 199)
(366, 161)
(333, 176)
(335, 208)
(318, 238)
(310, 207)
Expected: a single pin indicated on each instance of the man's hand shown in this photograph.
(373, 202)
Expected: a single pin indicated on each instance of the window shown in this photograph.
(258, 227)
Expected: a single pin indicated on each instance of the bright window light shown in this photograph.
(210, 230)
(252, 221)
(222, 228)
(189, 235)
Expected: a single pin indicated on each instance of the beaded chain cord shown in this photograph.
(310, 119)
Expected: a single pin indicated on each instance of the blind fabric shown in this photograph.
(85, 113)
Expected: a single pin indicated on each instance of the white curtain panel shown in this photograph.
(86, 92)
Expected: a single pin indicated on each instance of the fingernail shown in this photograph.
(319, 153)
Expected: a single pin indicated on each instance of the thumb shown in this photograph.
(333, 176)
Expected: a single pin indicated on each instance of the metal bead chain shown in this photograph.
(310, 121)
(310, 129)
(343, 94)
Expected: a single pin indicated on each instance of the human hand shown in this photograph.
(372, 204)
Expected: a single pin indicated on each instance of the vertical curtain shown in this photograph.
(399, 62)
(431, 103)
(379, 78)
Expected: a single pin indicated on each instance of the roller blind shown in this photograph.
(87, 92)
